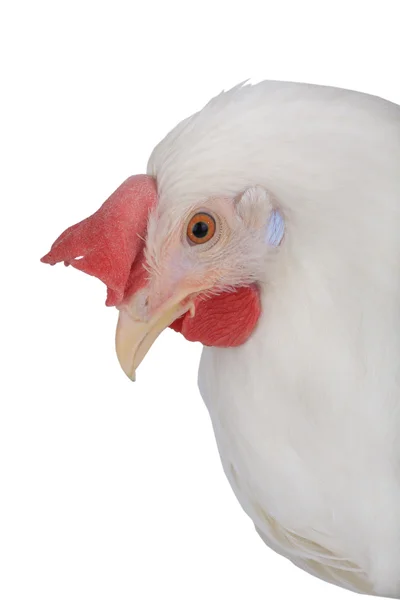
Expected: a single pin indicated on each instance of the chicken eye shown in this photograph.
(201, 228)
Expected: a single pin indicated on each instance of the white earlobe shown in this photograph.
(275, 228)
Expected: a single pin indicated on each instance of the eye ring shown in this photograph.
(201, 228)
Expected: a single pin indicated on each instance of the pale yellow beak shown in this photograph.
(135, 337)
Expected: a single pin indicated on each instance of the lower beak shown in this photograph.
(134, 337)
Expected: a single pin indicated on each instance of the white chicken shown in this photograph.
(267, 227)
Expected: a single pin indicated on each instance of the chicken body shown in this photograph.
(301, 366)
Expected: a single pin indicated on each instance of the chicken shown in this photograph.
(267, 228)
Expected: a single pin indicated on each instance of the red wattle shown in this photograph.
(225, 320)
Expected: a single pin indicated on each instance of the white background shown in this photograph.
(113, 490)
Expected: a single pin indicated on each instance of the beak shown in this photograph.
(134, 337)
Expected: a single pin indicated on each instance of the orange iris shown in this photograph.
(201, 228)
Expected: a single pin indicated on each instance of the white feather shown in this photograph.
(306, 413)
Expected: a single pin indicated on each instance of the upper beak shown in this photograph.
(134, 337)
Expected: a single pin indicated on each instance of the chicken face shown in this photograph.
(195, 269)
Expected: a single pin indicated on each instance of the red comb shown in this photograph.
(109, 244)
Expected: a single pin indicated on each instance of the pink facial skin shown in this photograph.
(109, 245)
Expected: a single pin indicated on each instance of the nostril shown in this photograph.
(143, 306)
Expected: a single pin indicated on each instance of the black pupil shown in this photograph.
(200, 229)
